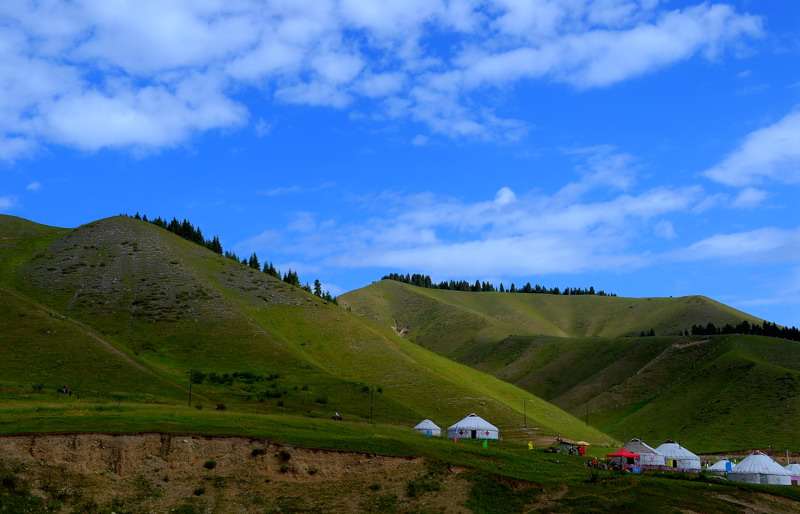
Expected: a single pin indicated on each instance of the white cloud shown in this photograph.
(505, 196)
(7, 203)
(149, 75)
(768, 154)
(749, 197)
(764, 244)
(420, 140)
(665, 230)
(34, 186)
(510, 234)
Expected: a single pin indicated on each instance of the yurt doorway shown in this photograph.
(474, 434)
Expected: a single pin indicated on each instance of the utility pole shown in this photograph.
(191, 379)
(525, 413)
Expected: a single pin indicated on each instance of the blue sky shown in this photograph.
(647, 148)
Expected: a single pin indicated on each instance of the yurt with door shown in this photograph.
(473, 427)
(721, 467)
(428, 427)
(794, 469)
(648, 456)
(759, 468)
(676, 456)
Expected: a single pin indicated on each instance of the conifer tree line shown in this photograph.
(191, 233)
(765, 329)
(484, 287)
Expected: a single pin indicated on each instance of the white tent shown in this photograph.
(722, 466)
(425, 426)
(794, 469)
(647, 455)
(676, 456)
(758, 468)
(473, 427)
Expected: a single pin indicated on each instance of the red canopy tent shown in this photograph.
(622, 452)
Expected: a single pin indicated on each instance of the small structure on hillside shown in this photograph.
(428, 427)
(648, 455)
(794, 469)
(473, 427)
(721, 467)
(676, 456)
(759, 468)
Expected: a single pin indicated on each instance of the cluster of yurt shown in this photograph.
(471, 427)
(757, 468)
(670, 455)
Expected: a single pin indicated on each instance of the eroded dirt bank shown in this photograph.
(173, 473)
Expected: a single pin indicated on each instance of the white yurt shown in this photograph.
(648, 456)
(759, 468)
(721, 467)
(794, 469)
(428, 427)
(676, 456)
(473, 427)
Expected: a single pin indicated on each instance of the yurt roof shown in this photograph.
(474, 422)
(638, 446)
(721, 465)
(758, 462)
(426, 424)
(673, 450)
(793, 468)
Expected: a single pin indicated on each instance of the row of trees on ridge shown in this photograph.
(478, 286)
(765, 329)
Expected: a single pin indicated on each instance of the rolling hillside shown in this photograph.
(584, 354)
(122, 309)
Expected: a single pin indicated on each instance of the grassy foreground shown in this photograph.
(506, 476)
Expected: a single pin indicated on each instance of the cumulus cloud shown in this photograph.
(509, 234)
(769, 154)
(34, 186)
(151, 75)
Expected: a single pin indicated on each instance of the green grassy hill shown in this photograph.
(122, 309)
(444, 320)
(583, 354)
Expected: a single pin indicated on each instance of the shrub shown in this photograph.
(258, 451)
(200, 491)
(285, 455)
(220, 406)
(210, 464)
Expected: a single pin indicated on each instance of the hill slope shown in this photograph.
(579, 353)
(444, 320)
(120, 307)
